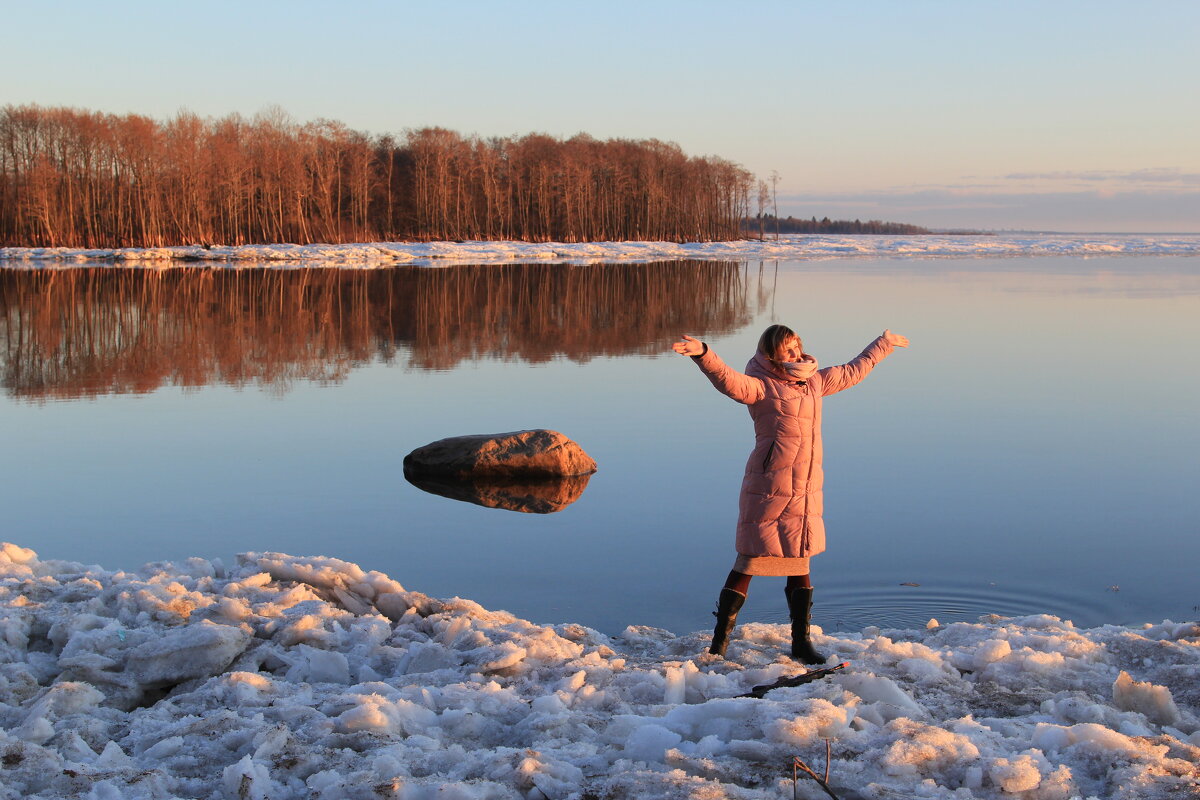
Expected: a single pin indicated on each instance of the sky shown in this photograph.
(1055, 115)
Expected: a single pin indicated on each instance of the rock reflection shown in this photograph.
(90, 331)
(528, 496)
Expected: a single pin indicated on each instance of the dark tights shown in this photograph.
(740, 582)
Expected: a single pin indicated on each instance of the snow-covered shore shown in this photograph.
(291, 677)
(382, 254)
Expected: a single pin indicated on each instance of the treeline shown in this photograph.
(88, 331)
(77, 178)
(764, 224)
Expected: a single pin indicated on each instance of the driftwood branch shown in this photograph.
(759, 692)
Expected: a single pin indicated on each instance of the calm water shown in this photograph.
(1033, 451)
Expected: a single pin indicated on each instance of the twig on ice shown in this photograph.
(797, 764)
(795, 680)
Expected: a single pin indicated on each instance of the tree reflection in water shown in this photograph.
(82, 332)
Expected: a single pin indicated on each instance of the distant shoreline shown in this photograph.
(787, 247)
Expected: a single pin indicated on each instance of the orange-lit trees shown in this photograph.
(83, 179)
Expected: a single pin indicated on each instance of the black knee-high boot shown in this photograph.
(728, 606)
(799, 600)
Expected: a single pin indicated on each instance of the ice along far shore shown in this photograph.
(788, 247)
(310, 677)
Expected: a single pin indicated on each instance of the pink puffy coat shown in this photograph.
(780, 509)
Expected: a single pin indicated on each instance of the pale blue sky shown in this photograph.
(1080, 116)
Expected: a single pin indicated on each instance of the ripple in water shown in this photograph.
(852, 608)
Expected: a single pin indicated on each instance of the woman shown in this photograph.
(779, 519)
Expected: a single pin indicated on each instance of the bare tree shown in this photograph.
(775, 201)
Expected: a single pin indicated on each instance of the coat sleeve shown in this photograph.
(729, 382)
(834, 379)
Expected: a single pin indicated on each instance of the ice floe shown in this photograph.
(298, 677)
(789, 247)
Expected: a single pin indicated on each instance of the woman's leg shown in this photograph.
(738, 581)
(797, 582)
(733, 595)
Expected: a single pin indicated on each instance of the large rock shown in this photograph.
(521, 454)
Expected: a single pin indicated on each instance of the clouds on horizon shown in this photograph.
(1149, 177)
(1160, 208)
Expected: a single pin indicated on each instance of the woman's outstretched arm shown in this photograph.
(728, 381)
(687, 346)
(835, 379)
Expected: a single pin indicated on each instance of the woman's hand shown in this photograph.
(689, 346)
(895, 339)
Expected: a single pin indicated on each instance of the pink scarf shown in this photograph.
(791, 370)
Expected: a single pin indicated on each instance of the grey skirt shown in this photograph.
(770, 565)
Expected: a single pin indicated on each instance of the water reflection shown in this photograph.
(93, 331)
(1009, 462)
(528, 496)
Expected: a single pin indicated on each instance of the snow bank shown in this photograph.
(382, 254)
(288, 677)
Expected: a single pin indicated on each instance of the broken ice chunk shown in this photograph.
(1145, 698)
(193, 651)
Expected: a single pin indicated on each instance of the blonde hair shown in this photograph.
(772, 340)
